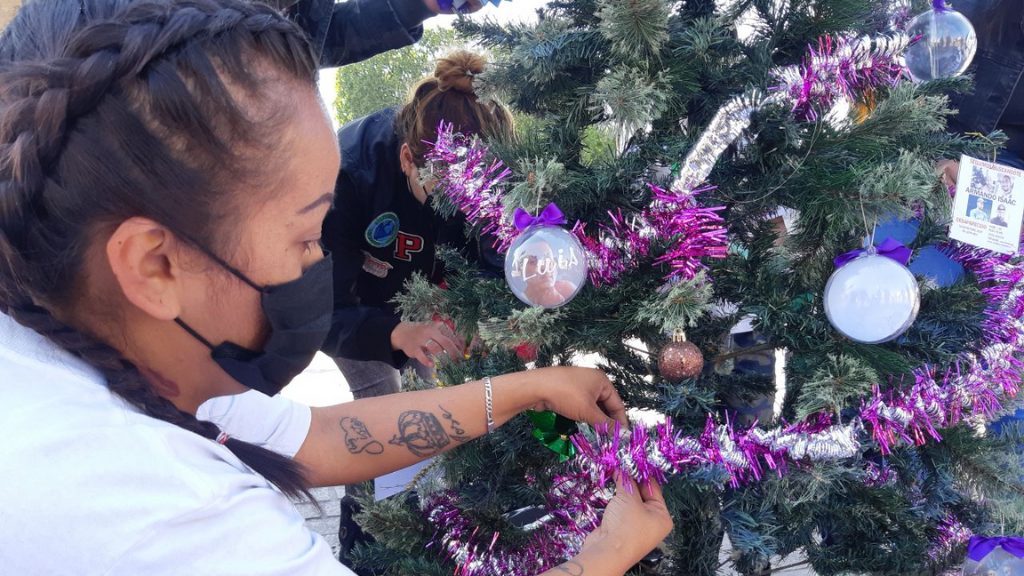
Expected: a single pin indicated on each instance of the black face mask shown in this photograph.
(299, 313)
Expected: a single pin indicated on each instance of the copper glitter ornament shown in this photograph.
(680, 359)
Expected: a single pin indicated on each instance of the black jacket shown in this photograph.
(348, 32)
(380, 235)
(998, 68)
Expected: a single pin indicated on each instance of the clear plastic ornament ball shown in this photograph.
(945, 45)
(546, 266)
(998, 562)
(872, 299)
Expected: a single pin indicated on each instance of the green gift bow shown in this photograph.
(554, 431)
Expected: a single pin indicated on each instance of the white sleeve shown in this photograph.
(277, 423)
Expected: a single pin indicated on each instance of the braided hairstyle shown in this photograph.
(130, 114)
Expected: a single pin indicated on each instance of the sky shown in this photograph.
(508, 10)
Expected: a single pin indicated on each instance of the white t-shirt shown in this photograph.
(277, 423)
(92, 487)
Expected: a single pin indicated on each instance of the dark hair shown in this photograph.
(449, 95)
(109, 113)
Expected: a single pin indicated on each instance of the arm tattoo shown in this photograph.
(458, 434)
(422, 433)
(571, 567)
(358, 438)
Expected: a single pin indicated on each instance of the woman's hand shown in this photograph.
(948, 170)
(635, 522)
(581, 394)
(423, 340)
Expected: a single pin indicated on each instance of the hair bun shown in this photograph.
(456, 70)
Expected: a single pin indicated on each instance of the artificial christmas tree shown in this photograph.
(875, 464)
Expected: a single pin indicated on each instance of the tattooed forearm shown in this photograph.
(358, 438)
(571, 567)
(422, 433)
(458, 434)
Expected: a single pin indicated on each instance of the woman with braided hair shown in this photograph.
(159, 246)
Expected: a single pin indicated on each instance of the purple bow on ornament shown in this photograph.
(549, 216)
(981, 546)
(939, 5)
(890, 248)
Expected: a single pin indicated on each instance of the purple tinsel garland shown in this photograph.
(935, 400)
(840, 68)
(696, 232)
(469, 181)
(691, 231)
(573, 511)
(913, 415)
(950, 535)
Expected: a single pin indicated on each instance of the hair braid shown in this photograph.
(124, 379)
(151, 78)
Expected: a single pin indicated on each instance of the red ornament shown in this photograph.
(680, 360)
(526, 352)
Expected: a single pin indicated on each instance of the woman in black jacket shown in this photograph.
(383, 230)
(997, 102)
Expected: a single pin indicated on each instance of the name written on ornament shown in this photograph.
(545, 266)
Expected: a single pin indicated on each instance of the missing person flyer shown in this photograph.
(989, 205)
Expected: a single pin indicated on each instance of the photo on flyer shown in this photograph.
(988, 207)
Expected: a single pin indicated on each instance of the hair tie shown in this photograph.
(222, 438)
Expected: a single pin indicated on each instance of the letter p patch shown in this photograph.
(406, 245)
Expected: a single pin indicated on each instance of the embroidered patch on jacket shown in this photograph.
(383, 230)
(407, 245)
(378, 268)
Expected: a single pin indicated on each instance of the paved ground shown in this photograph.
(320, 385)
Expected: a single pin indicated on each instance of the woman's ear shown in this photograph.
(407, 161)
(141, 255)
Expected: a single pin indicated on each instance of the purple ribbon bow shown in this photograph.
(939, 6)
(890, 248)
(549, 216)
(981, 546)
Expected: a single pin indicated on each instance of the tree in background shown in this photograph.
(8, 8)
(384, 80)
(872, 489)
